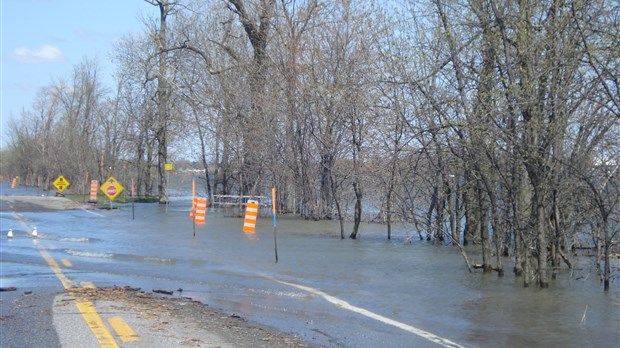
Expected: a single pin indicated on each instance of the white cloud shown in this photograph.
(45, 54)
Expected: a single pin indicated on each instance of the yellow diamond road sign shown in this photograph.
(111, 188)
(61, 183)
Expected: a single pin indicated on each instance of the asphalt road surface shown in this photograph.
(41, 307)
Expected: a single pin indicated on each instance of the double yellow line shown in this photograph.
(87, 308)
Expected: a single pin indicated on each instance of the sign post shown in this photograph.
(133, 199)
(273, 210)
(168, 168)
(193, 212)
(84, 186)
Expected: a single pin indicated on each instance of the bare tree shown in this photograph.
(163, 94)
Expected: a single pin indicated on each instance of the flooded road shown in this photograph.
(338, 293)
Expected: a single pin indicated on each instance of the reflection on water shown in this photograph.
(418, 284)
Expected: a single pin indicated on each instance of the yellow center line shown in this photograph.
(88, 285)
(66, 282)
(124, 331)
(92, 318)
(86, 308)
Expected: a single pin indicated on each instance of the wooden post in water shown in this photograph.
(84, 186)
(167, 190)
(133, 199)
(193, 207)
(273, 210)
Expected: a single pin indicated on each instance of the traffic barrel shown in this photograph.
(93, 191)
(251, 213)
(201, 210)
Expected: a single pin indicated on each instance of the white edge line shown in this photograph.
(92, 212)
(343, 304)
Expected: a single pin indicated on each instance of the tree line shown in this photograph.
(472, 121)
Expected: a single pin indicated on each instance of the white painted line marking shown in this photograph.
(343, 304)
(88, 211)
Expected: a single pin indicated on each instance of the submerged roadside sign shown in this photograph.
(61, 183)
(111, 188)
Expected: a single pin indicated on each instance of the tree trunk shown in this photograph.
(390, 191)
(338, 209)
(388, 212)
(429, 213)
(526, 268)
(325, 207)
(203, 157)
(471, 222)
(453, 204)
(162, 101)
(253, 127)
(518, 250)
(356, 128)
(607, 266)
(483, 226)
(541, 234)
(357, 218)
(162, 155)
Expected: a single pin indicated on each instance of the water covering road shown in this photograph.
(338, 293)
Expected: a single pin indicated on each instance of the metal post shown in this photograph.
(167, 193)
(133, 199)
(84, 187)
(273, 210)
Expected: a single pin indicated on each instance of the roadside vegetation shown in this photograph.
(486, 122)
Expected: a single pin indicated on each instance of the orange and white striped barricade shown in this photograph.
(201, 210)
(94, 185)
(251, 214)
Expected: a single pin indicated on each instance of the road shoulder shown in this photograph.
(160, 321)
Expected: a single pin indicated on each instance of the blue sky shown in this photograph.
(43, 39)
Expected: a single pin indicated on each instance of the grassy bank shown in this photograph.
(104, 200)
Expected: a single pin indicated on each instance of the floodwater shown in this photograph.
(338, 293)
